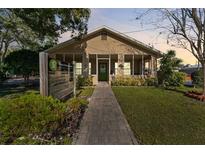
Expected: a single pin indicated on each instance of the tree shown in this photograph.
(31, 28)
(186, 29)
(168, 64)
(23, 62)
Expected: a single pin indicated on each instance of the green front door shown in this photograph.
(103, 72)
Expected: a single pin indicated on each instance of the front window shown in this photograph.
(127, 70)
(78, 69)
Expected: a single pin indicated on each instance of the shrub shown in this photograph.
(34, 119)
(151, 81)
(2, 72)
(133, 81)
(177, 79)
(197, 77)
(84, 81)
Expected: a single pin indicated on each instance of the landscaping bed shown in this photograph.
(133, 81)
(29, 118)
(192, 92)
(196, 95)
(159, 116)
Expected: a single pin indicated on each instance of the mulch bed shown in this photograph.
(196, 95)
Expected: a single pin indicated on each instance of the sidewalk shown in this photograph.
(104, 122)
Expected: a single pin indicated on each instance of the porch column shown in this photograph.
(43, 64)
(142, 66)
(151, 66)
(63, 57)
(85, 64)
(154, 59)
(109, 69)
(133, 64)
(97, 67)
(120, 64)
(73, 57)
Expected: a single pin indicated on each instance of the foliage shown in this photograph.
(168, 64)
(34, 119)
(2, 71)
(23, 62)
(184, 28)
(84, 81)
(151, 81)
(158, 116)
(175, 80)
(197, 77)
(133, 81)
(31, 28)
(85, 92)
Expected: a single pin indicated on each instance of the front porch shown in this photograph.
(103, 67)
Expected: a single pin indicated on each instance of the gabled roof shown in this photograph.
(111, 31)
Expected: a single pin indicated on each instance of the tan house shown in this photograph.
(105, 53)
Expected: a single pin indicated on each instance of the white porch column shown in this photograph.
(152, 66)
(121, 62)
(85, 64)
(63, 57)
(97, 67)
(89, 73)
(109, 70)
(142, 67)
(133, 64)
(73, 57)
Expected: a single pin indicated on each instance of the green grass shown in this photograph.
(159, 116)
(16, 91)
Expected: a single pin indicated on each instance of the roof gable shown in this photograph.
(110, 32)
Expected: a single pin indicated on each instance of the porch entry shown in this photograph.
(103, 74)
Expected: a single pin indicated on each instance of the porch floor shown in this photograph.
(104, 122)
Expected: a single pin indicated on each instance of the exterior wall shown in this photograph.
(113, 45)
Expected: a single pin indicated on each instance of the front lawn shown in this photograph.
(159, 116)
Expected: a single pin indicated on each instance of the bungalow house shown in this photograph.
(105, 53)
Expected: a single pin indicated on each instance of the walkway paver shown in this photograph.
(104, 122)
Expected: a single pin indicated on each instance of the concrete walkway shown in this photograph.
(104, 122)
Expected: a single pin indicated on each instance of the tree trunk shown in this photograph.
(203, 67)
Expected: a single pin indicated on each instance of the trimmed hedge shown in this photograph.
(84, 81)
(34, 119)
(133, 81)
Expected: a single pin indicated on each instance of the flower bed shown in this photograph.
(195, 95)
(133, 81)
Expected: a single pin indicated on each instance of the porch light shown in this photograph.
(121, 65)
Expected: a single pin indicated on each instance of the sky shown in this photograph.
(124, 20)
